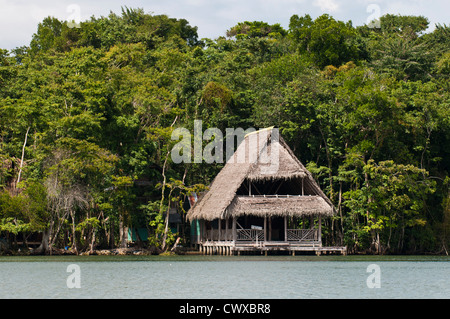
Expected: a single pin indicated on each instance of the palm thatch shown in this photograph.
(288, 167)
(279, 206)
(262, 156)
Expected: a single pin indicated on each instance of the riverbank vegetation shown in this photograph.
(87, 111)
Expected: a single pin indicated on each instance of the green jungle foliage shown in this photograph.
(87, 112)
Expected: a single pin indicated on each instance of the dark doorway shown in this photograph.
(249, 221)
(277, 233)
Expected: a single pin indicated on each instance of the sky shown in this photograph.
(19, 18)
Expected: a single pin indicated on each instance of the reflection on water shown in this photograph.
(225, 277)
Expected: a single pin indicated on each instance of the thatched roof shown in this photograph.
(288, 167)
(279, 206)
(262, 156)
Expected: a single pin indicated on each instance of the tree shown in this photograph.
(256, 29)
(392, 199)
(23, 213)
(86, 116)
(73, 166)
(122, 200)
(329, 42)
(412, 25)
(397, 48)
(404, 58)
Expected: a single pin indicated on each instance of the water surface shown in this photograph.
(225, 277)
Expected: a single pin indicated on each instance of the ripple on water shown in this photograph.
(191, 277)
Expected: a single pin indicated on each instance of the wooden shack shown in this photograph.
(264, 200)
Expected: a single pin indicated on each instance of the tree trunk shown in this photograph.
(341, 235)
(378, 244)
(43, 247)
(111, 234)
(166, 230)
(21, 159)
(91, 250)
(122, 232)
(53, 236)
(163, 244)
(330, 173)
(176, 244)
(74, 238)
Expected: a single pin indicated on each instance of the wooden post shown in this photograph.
(202, 230)
(270, 228)
(220, 229)
(265, 228)
(234, 229)
(303, 193)
(199, 231)
(285, 228)
(211, 231)
(226, 229)
(320, 231)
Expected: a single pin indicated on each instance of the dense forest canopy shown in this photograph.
(87, 112)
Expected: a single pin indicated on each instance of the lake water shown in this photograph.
(232, 277)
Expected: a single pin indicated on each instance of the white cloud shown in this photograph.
(19, 18)
(326, 5)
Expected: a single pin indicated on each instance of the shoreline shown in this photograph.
(134, 251)
(129, 251)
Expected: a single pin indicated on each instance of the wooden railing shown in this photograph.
(299, 235)
(250, 234)
(303, 234)
(213, 234)
(276, 196)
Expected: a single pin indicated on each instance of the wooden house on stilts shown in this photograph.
(264, 199)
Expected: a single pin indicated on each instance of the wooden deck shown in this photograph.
(235, 247)
(256, 239)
